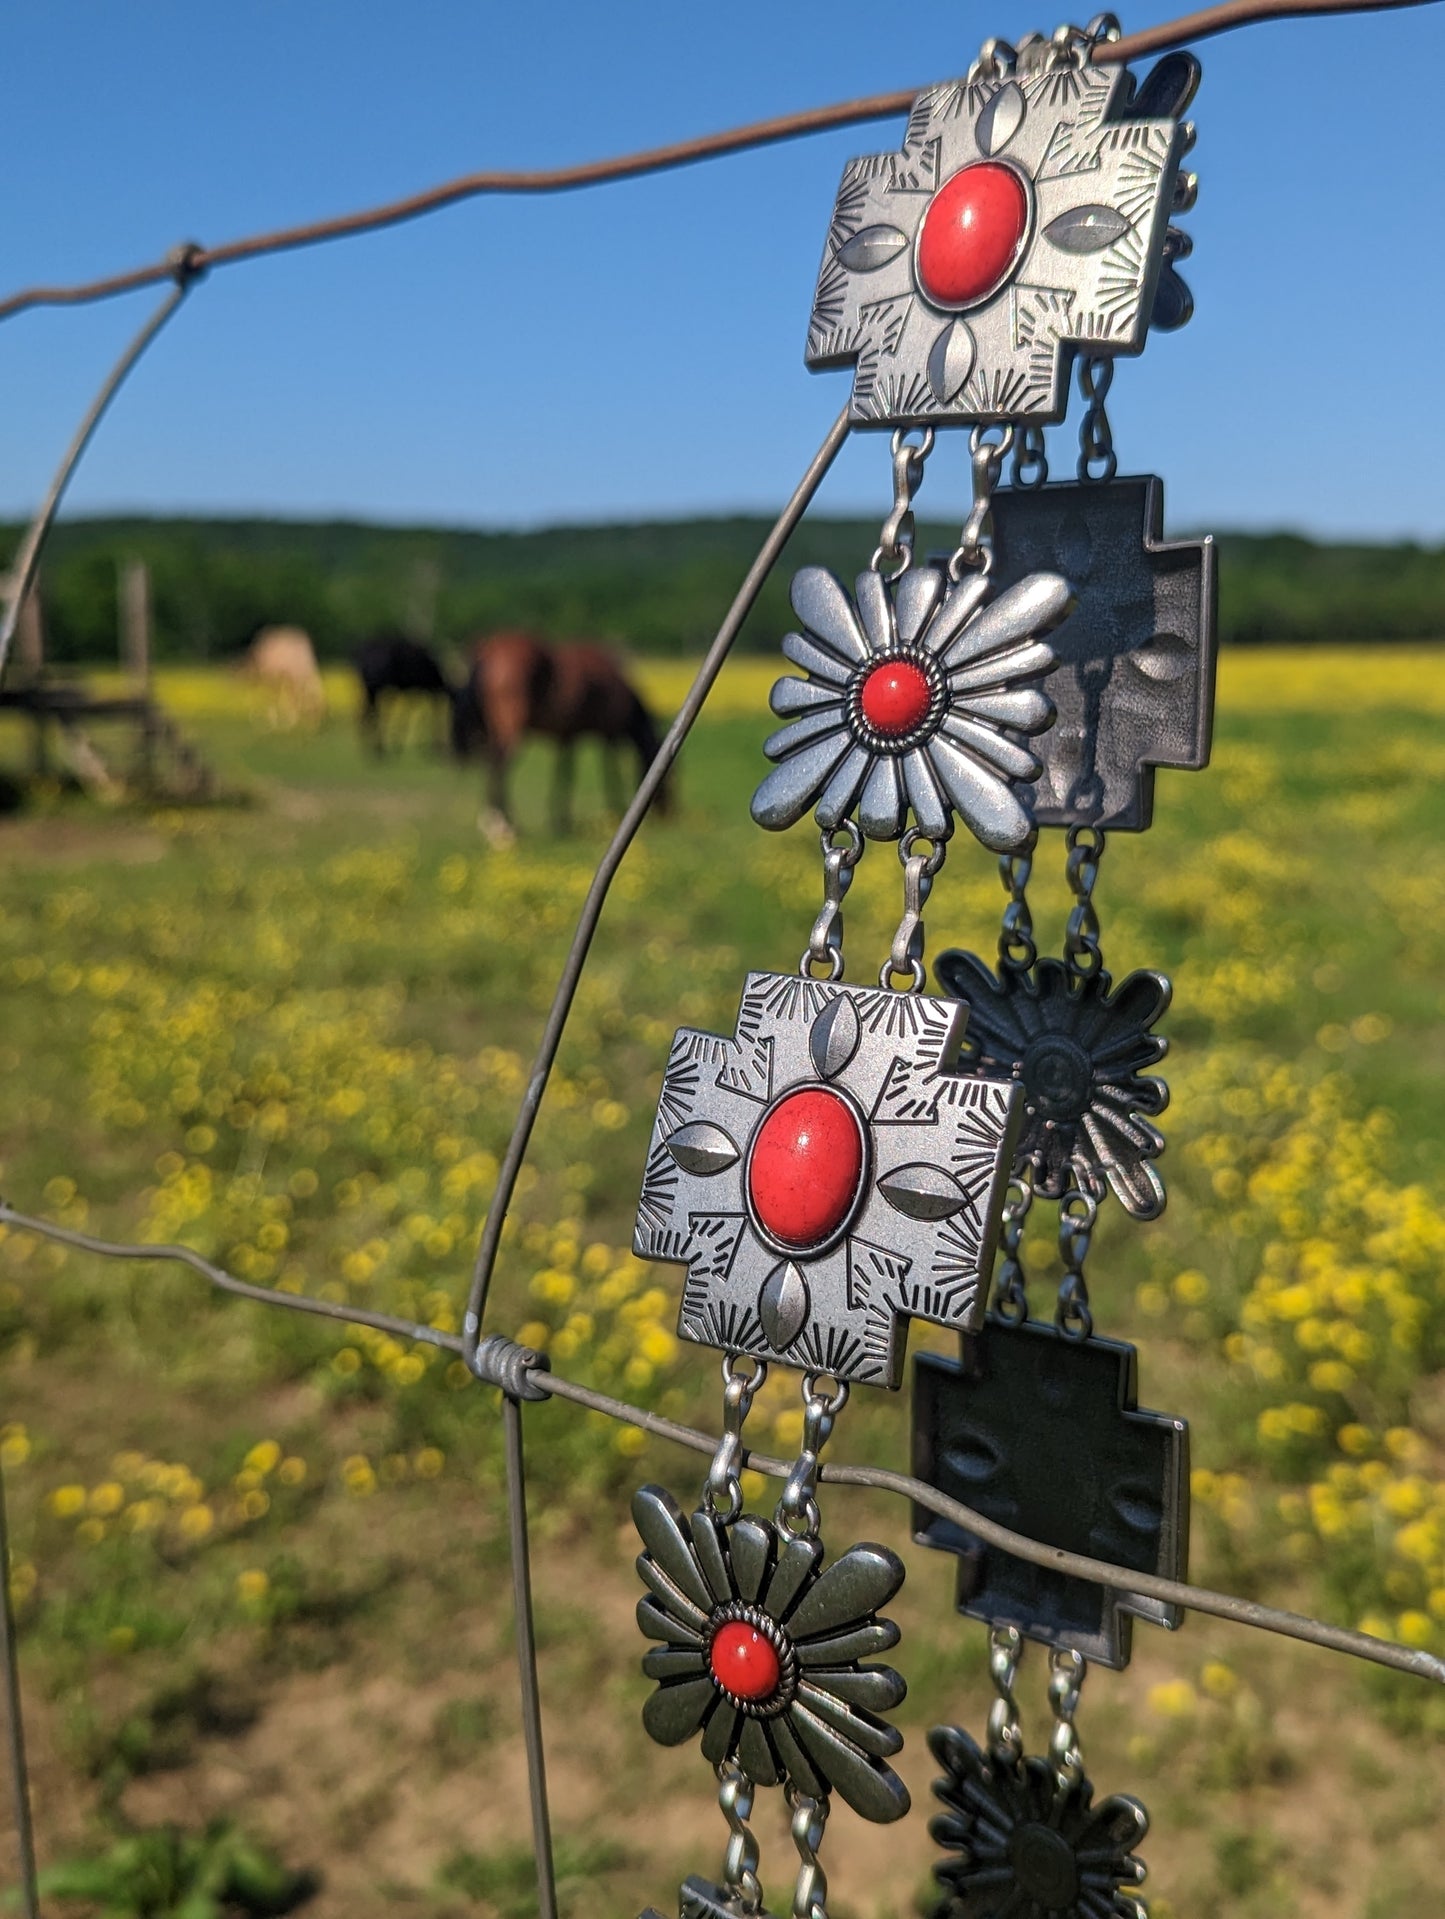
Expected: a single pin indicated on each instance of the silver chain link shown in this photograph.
(1083, 954)
(723, 1493)
(1010, 1298)
(1096, 438)
(810, 1890)
(895, 541)
(1077, 1212)
(825, 942)
(1005, 1734)
(1067, 1669)
(1016, 946)
(986, 457)
(906, 953)
(797, 1512)
(1030, 467)
(740, 1867)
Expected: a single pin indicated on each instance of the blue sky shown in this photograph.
(637, 349)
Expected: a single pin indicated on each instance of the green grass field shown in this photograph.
(259, 1564)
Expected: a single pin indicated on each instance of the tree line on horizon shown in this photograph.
(653, 587)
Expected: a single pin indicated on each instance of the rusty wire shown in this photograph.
(631, 166)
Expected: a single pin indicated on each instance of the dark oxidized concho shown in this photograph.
(1026, 1846)
(1081, 1054)
(760, 1652)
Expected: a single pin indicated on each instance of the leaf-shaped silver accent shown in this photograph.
(833, 1037)
(783, 1305)
(920, 1191)
(1000, 119)
(871, 248)
(950, 361)
(1086, 229)
(702, 1148)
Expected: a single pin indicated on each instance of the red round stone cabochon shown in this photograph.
(896, 697)
(744, 1660)
(972, 234)
(805, 1167)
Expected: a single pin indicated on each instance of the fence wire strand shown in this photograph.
(632, 166)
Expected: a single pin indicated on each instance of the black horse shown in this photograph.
(391, 663)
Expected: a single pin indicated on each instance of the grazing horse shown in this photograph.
(391, 663)
(282, 660)
(518, 684)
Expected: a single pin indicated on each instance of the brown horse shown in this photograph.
(518, 684)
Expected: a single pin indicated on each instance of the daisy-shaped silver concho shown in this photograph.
(918, 697)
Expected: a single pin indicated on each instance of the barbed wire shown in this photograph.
(631, 166)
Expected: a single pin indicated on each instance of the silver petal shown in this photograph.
(915, 597)
(1023, 707)
(755, 1754)
(1086, 229)
(880, 811)
(658, 1518)
(1027, 662)
(798, 733)
(801, 1771)
(671, 1597)
(833, 1037)
(673, 1662)
(864, 1579)
(871, 248)
(1000, 119)
(783, 1304)
(875, 1688)
(875, 610)
(784, 795)
(980, 797)
(960, 604)
(923, 795)
(708, 1542)
(675, 1711)
(882, 1741)
(821, 602)
(950, 361)
(861, 1642)
(702, 1148)
(1027, 610)
(750, 1547)
(800, 696)
(869, 1787)
(797, 1561)
(816, 659)
(1011, 759)
(921, 1191)
(842, 788)
(655, 1622)
(720, 1731)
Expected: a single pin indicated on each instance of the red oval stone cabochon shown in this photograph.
(806, 1164)
(895, 698)
(972, 234)
(744, 1660)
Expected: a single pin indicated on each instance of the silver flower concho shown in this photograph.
(1080, 1054)
(1024, 217)
(1027, 1845)
(827, 1172)
(916, 699)
(760, 1651)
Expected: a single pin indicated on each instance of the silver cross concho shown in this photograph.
(827, 1173)
(1026, 216)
